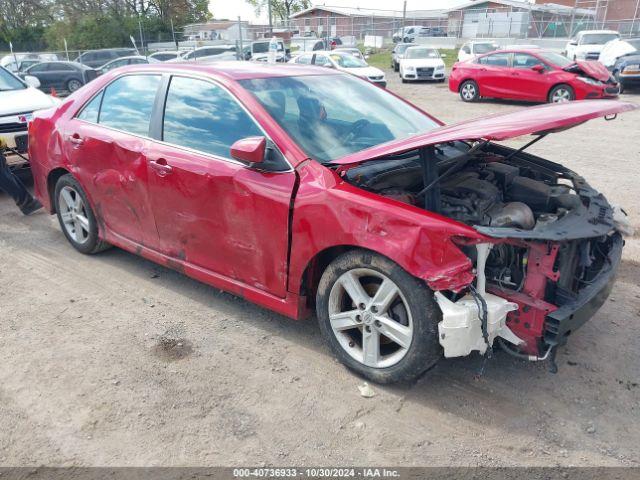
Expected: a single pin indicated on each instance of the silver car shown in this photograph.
(398, 54)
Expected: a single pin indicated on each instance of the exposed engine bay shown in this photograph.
(555, 239)
(484, 190)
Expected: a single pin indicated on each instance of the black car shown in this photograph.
(626, 70)
(97, 58)
(68, 76)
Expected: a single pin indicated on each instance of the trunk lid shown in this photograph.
(592, 69)
(537, 120)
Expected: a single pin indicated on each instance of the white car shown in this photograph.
(18, 100)
(353, 51)
(615, 49)
(168, 55)
(472, 49)
(588, 44)
(421, 63)
(344, 62)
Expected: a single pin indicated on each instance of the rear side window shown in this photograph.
(495, 60)
(204, 117)
(127, 103)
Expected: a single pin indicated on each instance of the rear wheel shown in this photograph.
(73, 85)
(379, 321)
(561, 93)
(76, 218)
(469, 91)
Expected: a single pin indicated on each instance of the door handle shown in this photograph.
(160, 166)
(76, 139)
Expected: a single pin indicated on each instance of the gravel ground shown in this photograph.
(112, 360)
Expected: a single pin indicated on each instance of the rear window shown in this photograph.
(128, 102)
(598, 38)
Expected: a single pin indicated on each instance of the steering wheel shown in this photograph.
(355, 129)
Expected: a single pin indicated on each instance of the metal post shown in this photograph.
(270, 18)
(141, 37)
(635, 16)
(241, 53)
(173, 33)
(66, 49)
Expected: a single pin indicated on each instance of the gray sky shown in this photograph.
(233, 8)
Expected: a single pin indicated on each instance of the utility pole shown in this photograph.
(404, 18)
(270, 18)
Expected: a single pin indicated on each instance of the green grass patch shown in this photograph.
(382, 57)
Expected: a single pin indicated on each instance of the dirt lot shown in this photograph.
(112, 360)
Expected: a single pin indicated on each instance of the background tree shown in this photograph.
(281, 9)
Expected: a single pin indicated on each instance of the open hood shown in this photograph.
(528, 121)
(590, 68)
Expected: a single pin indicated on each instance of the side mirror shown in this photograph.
(32, 81)
(249, 150)
(538, 68)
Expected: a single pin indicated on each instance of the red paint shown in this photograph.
(264, 236)
(250, 150)
(529, 84)
(500, 126)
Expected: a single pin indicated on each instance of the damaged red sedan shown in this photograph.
(533, 76)
(302, 188)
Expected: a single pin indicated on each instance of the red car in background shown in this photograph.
(531, 75)
(302, 188)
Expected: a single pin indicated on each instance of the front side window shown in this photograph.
(321, 60)
(524, 61)
(556, 59)
(304, 59)
(128, 102)
(91, 110)
(61, 67)
(331, 116)
(204, 117)
(348, 61)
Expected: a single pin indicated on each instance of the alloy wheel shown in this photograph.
(370, 318)
(469, 91)
(561, 95)
(74, 215)
(74, 85)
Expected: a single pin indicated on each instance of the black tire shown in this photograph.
(396, 67)
(469, 91)
(424, 350)
(404, 80)
(74, 84)
(93, 243)
(616, 75)
(563, 90)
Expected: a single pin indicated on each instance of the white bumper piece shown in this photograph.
(460, 331)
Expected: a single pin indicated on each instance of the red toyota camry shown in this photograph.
(302, 188)
(531, 75)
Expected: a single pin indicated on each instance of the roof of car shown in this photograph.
(588, 32)
(73, 64)
(235, 70)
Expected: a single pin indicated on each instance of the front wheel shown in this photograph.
(379, 321)
(561, 93)
(76, 218)
(469, 91)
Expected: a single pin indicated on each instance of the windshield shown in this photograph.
(402, 48)
(348, 61)
(330, 116)
(422, 53)
(555, 59)
(9, 82)
(484, 47)
(598, 38)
